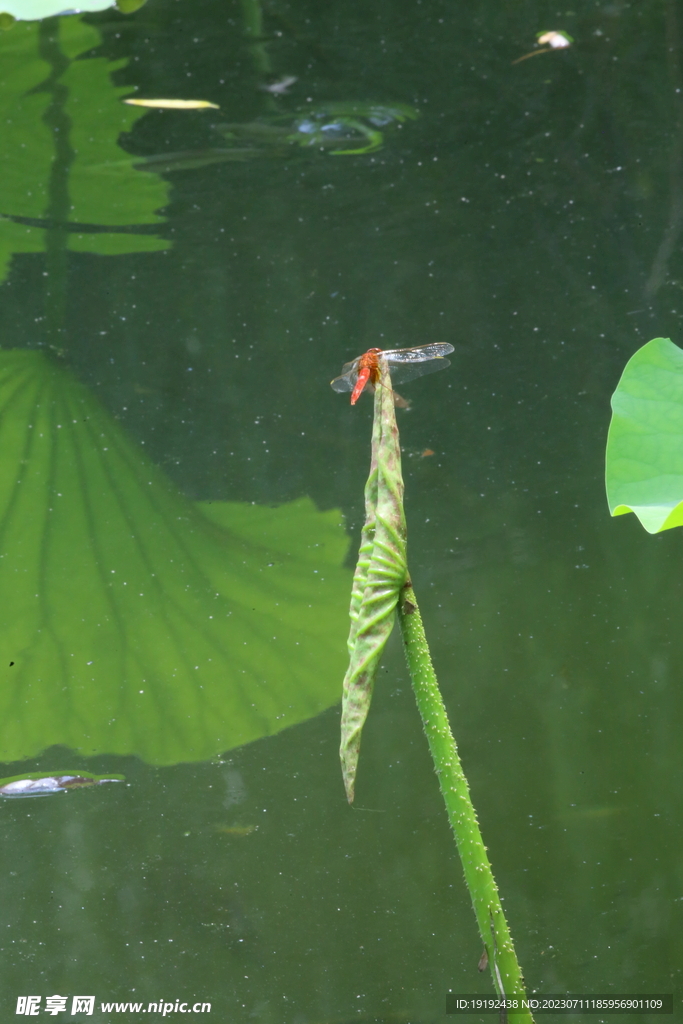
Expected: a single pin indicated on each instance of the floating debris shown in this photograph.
(280, 88)
(236, 830)
(173, 104)
(555, 40)
(46, 783)
(339, 127)
(189, 160)
(593, 813)
(548, 41)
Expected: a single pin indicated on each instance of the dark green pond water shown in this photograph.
(182, 329)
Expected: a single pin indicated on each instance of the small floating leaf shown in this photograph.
(173, 104)
(45, 783)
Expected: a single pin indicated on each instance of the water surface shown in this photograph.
(531, 217)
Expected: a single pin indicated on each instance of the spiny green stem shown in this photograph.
(493, 928)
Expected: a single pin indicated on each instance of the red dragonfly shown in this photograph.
(362, 374)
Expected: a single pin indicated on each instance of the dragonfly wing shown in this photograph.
(343, 383)
(346, 381)
(419, 354)
(404, 364)
(403, 372)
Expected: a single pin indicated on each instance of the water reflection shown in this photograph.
(62, 119)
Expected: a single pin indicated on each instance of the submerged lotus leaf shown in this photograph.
(644, 459)
(134, 621)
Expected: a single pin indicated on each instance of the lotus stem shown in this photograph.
(381, 585)
(493, 927)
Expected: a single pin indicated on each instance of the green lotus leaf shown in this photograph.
(644, 459)
(134, 621)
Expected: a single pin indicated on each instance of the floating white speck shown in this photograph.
(556, 40)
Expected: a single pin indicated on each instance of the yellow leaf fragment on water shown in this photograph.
(556, 40)
(173, 104)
